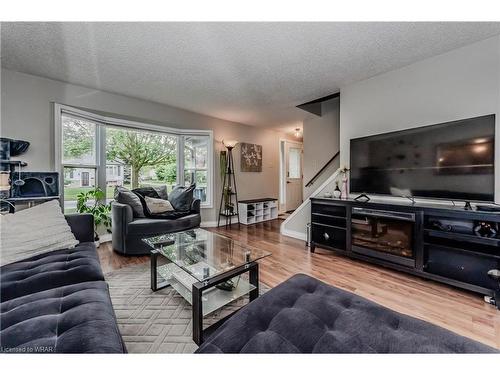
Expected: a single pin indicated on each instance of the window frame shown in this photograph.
(194, 169)
(100, 166)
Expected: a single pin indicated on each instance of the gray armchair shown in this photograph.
(128, 232)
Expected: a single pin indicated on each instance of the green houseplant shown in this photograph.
(91, 202)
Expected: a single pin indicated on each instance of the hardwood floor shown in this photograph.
(459, 311)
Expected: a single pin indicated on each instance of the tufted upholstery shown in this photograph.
(304, 315)
(50, 270)
(76, 318)
(57, 302)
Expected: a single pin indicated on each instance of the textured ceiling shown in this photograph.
(253, 73)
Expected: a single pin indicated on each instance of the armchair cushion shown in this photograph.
(181, 197)
(159, 192)
(157, 205)
(170, 215)
(149, 226)
(125, 196)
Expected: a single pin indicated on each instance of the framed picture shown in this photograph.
(251, 157)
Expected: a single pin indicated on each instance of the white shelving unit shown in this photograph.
(257, 210)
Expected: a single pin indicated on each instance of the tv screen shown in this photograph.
(454, 161)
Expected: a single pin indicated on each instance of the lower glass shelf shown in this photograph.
(213, 298)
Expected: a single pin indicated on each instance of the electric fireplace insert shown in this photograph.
(384, 234)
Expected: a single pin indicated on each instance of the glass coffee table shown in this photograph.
(205, 268)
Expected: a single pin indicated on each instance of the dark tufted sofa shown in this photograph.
(304, 315)
(58, 302)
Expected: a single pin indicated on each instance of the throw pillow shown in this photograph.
(125, 196)
(162, 191)
(159, 192)
(158, 206)
(34, 231)
(181, 197)
(171, 215)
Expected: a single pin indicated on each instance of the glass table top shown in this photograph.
(204, 254)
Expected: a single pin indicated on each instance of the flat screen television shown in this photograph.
(453, 160)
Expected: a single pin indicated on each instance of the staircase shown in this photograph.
(295, 225)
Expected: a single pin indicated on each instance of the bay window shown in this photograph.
(96, 151)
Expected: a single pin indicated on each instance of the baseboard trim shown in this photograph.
(213, 224)
(294, 234)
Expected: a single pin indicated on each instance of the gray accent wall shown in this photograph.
(26, 113)
(321, 142)
(459, 84)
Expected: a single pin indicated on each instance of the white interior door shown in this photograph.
(293, 173)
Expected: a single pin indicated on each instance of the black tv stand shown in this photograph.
(410, 198)
(362, 198)
(443, 244)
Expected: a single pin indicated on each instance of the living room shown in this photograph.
(250, 187)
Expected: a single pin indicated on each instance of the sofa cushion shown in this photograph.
(50, 270)
(304, 315)
(36, 230)
(181, 197)
(125, 196)
(155, 226)
(76, 318)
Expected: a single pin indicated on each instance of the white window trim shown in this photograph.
(59, 109)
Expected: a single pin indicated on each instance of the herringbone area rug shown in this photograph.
(155, 322)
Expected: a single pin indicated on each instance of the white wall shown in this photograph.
(321, 142)
(26, 113)
(459, 84)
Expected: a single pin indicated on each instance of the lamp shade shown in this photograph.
(229, 143)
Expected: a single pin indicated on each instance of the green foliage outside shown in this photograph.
(137, 149)
(167, 173)
(78, 138)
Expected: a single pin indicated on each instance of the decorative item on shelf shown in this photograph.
(327, 194)
(4, 184)
(251, 157)
(19, 181)
(8, 183)
(91, 202)
(227, 207)
(344, 194)
(337, 193)
(486, 229)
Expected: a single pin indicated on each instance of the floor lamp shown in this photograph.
(227, 209)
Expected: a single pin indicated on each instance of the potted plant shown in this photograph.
(91, 202)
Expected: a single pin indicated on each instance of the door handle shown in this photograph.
(326, 236)
(288, 182)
